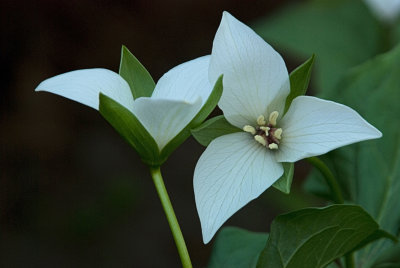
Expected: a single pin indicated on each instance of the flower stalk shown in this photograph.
(336, 192)
(349, 258)
(329, 178)
(170, 214)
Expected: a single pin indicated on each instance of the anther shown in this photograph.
(272, 118)
(261, 120)
(273, 146)
(278, 133)
(266, 129)
(260, 139)
(249, 129)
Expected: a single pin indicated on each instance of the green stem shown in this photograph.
(349, 260)
(170, 214)
(329, 178)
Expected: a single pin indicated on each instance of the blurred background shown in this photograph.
(72, 192)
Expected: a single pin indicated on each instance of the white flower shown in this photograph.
(386, 10)
(177, 98)
(238, 167)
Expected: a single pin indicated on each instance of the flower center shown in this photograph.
(267, 134)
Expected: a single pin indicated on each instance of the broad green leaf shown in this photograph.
(235, 247)
(205, 111)
(213, 128)
(299, 80)
(342, 33)
(370, 171)
(284, 183)
(138, 78)
(130, 128)
(315, 237)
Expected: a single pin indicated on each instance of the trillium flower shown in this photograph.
(386, 10)
(236, 168)
(176, 100)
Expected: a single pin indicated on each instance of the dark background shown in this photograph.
(72, 192)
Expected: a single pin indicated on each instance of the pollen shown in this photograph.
(273, 146)
(261, 140)
(272, 118)
(261, 120)
(249, 129)
(278, 133)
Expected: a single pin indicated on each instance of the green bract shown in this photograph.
(138, 78)
(284, 183)
(130, 128)
(213, 128)
(299, 80)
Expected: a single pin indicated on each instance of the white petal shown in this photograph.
(186, 82)
(164, 119)
(256, 80)
(233, 170)
(387, 10)
(313, 126)
(85, 85)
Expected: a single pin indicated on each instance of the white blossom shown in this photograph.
(236, 168)
(176, 99)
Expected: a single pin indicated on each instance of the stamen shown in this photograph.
(261, 120)
(272, 118)
(260, 139)
(266, 129)
(278, 133)
(273, 146)
(249, 129)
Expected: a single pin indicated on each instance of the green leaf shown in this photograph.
(315, 237)
(138, 78)
(205, 111)
(284, 183)
(130, 128)
(235, 247)
(213, 128)
(299, 80)
(336, 31)
(370, 171)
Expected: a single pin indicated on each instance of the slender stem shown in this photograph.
(337, 194)
(329, 178)
(170, 214)
(339, 263)
(350, 260)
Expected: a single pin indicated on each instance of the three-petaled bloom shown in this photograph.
(238, 167)
(177, 98)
